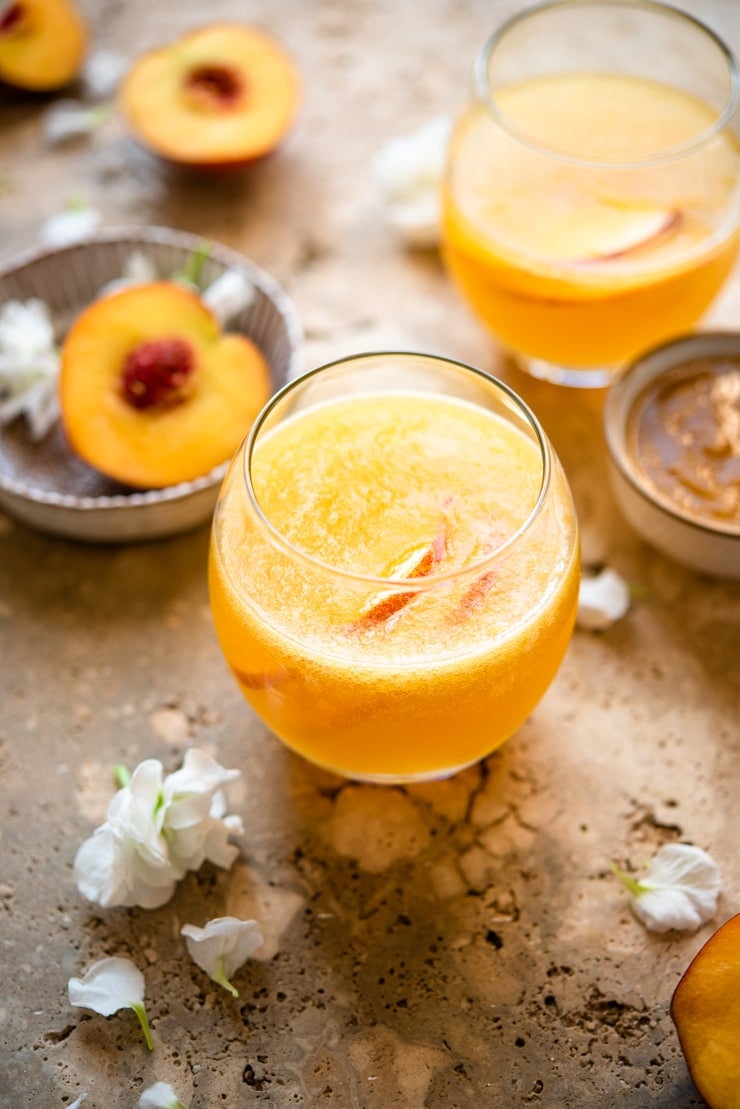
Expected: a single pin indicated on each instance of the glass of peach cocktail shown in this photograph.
(394, 566)
(590, 202)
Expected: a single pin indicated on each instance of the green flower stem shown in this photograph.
(220, 977)
(632, 884)
(192, 271)
(140, 1011)
(121, 775)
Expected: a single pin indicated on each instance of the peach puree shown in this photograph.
(359, 678)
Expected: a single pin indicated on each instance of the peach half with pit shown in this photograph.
(152, 393)
(42, 44)
(706, 1011)
(220, 97)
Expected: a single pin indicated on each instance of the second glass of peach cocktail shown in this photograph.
(394, 566)
(590, 201)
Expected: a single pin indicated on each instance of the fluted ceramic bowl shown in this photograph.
(43, 483)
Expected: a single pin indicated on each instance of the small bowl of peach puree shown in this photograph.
(672, 425)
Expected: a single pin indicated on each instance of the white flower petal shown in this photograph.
(408, 172)
(223, 945)
(78, 1101)
(69, 119)
(109, 985)
(679, 889)
(199, 774)
(160, 1096)
(29, 366)
(42, 409)
(100, 868)
(102, 72)
(602, 600)
(138, 269)
(229, 295)
(72, 226)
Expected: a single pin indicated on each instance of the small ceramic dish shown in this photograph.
(42, 483)
(671, 424)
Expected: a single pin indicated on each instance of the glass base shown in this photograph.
(404, 779)
(575, 377)
(370, 778)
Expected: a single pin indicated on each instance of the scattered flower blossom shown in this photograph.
(78, 1101)
(157, 828)
(102, 73)
(109, 985)
(222, 947)
(160, 1096)
(65, 120)
(408, 172)
(603, 599)
(74, 225)
(679, 890)
(228, 295)
(29, 366)
(138, 269)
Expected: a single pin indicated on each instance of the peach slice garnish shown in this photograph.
(603, 230)
(588, 230)
(476, 593)
(619, 231)
(261, 681)
(418, 562)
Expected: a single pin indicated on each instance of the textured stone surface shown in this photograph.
(453, 944)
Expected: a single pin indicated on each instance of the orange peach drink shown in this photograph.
(405, 591)
(568, 254)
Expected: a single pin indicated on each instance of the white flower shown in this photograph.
(73, 225)
(160, 1096)
(222, 946)
(138, 269)
(602, 600)
(228, 295)
(78, 1101)
(29, 365)
(157, 828)
(408, 172)
(109, 985)
(71, 119)
(102, 72)
(679, 890)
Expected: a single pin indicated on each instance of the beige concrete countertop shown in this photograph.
(453, 944)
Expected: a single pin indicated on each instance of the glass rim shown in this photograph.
(487, 98)
(407, 585)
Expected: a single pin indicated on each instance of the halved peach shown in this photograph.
(42, 44)
(706, 1011)
(151, 392)
(220, 97)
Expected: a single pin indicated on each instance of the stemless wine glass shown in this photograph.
(394, 565)
(590, 200)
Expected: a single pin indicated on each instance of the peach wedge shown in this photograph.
(42, 44)
(151, 392)
(706, 1011)
(220, 97)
